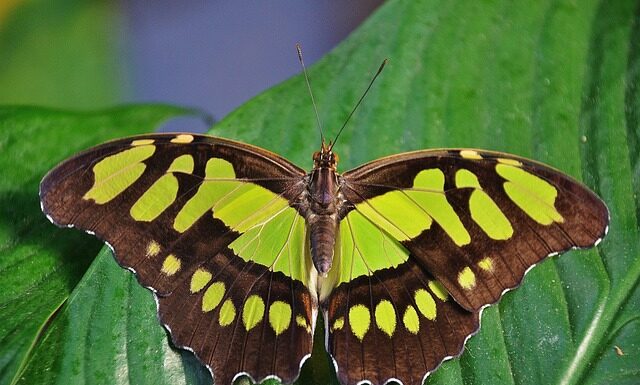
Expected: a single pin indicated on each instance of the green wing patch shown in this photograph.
(278, 243)
(364, 248)
(426, 202)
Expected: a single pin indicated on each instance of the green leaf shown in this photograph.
(39, 264)
(60, 53)
(552, 81)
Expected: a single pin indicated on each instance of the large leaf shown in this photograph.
(548, 80)
(39, 264)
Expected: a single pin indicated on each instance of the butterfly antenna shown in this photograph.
(313, 101)
(384, 62)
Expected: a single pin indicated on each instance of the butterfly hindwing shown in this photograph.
(184, 212)
(387, 318)
(241, 318)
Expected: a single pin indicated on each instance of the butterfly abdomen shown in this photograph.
(322, 234)
(321, 215)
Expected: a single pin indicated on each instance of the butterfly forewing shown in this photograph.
(183, 212)
(477, 221)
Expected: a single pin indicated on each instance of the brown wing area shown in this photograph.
(260, 324)
(267, 318)
(477, 272)
(394, 324)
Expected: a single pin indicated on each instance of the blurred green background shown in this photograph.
(60, 54)
(213, 55)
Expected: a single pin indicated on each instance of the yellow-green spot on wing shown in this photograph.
(278, 243)
(439, 290)
(534, 195)
(486, 264)
(466, 278)
(239, 204)
(279, 316)
(470, 154)
(512, 162)
(425, 202)
(385, 316)
(183, 164)
(489, 217)
(465, 178)
(484, 211)
(364, 248)
(428, 193)
(209, 192)
(162, 193)
(199, 280)
(252, 311)
(212, 296)
(171, 265)
(359, 320)
(156, 199)
(219, 169)
(293, 260)
(431, 179)
(338, 324)
(389, 211)
(227, 313)
(142, 142)
(182, 138)
(426, 304)
(302, 322)
(153, 249)
(247, 206)
(114, 173)
(410, 320)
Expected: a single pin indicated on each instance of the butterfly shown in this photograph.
(242, 249)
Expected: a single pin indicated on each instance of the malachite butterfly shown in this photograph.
(243, 249)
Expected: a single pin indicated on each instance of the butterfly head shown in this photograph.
(325, 158)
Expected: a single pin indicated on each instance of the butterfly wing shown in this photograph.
(387, 318)
(432, 237)
(206, 224)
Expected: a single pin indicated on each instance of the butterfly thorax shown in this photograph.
(321, 208)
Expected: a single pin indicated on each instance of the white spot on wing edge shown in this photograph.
(267, 377)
